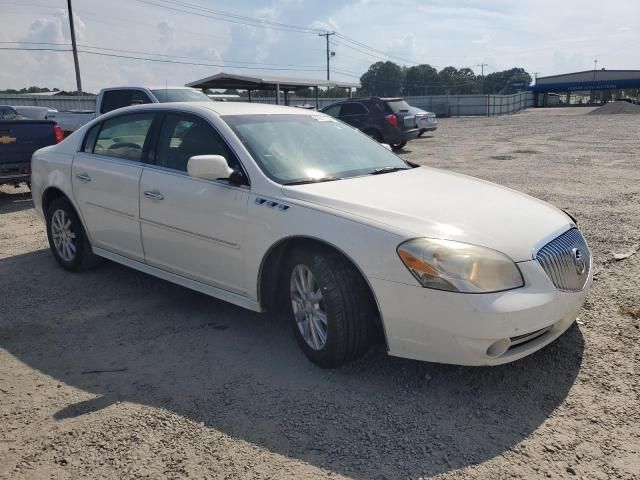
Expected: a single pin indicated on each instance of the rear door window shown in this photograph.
(124, 136)
(90, 138)
(353, 109)
(333, 110)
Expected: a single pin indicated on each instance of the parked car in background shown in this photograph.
(113, 98)
(387, 120)
(19, 138)
(284, 209)
(425, 121)
(34, 113)
(8, 113)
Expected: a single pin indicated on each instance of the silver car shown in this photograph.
(425, 121)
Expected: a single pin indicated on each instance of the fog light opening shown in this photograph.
(498, 348)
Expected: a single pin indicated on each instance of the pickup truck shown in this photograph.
(19, 138)
(117, 97)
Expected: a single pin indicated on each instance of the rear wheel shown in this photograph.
(398, 146)
(67, 238)
(330, 307)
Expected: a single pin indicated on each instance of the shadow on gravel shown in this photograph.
(15, 201)
(126, 336)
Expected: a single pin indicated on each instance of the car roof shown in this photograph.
(145, 87)
(225, 108)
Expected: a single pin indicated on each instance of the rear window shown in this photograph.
(398, 106)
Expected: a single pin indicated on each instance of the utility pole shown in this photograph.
(75, 48)
(326, 35)
(535, 76)
(482, 65)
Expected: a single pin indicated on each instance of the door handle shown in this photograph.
(84, 177)
(154, 195)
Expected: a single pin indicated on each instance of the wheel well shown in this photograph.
(49, 195)
(374, 132)
(272, 270)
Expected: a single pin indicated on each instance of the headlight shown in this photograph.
(459, 267)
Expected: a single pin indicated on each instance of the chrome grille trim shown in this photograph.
(557, 260)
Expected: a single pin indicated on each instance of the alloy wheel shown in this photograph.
(308, 307)
(64, 238)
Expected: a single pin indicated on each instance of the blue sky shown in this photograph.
(543, 36)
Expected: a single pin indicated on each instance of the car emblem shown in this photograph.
(578, 261)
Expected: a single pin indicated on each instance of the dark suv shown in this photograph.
(388, 120)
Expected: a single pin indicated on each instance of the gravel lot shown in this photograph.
(199, 388)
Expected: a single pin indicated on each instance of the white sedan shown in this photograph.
(287, 210)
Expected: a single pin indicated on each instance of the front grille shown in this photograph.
(566, 260)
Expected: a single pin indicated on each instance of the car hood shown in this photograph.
(426, 202)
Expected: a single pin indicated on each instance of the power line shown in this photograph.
(35, 49)
(229, 17)
(198, 58)
(162, 60)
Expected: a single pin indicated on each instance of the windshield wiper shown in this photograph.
(378, 171)
(313, 180)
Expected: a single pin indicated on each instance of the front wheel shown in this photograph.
(398, 146)
(67, 238)
(331, 308)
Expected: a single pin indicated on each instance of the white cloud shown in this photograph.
(548, 36)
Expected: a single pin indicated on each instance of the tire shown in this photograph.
(349, 310)
(421, 133)
(374, 134)
(398, 146)
(78, 257)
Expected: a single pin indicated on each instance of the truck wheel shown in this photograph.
(67, 238)
(398, 146)
(331, 308)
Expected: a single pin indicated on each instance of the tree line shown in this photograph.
(390, 79)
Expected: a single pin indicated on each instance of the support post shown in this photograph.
(317, 99)
(249, 92)
(277, 94)
(74, 47)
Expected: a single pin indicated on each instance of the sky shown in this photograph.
(549, 37)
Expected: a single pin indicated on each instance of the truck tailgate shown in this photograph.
(20, 138)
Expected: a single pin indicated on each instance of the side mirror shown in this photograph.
(209, 167)
(386, 145)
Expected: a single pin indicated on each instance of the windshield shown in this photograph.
(179, 95)
(307, 148)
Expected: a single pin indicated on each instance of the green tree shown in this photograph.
(503, 82)
(383, 79)
(421, 80)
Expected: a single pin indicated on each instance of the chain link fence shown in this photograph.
(441, 105)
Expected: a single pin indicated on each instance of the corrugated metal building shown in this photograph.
(584, 88)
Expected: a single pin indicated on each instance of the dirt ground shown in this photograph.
(199, 388)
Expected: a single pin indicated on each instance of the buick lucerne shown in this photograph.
(292, 211)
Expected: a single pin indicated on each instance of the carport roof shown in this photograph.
(229, 80)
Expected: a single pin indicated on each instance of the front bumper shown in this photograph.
(476, 329)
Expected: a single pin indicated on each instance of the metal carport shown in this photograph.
(278, 84)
